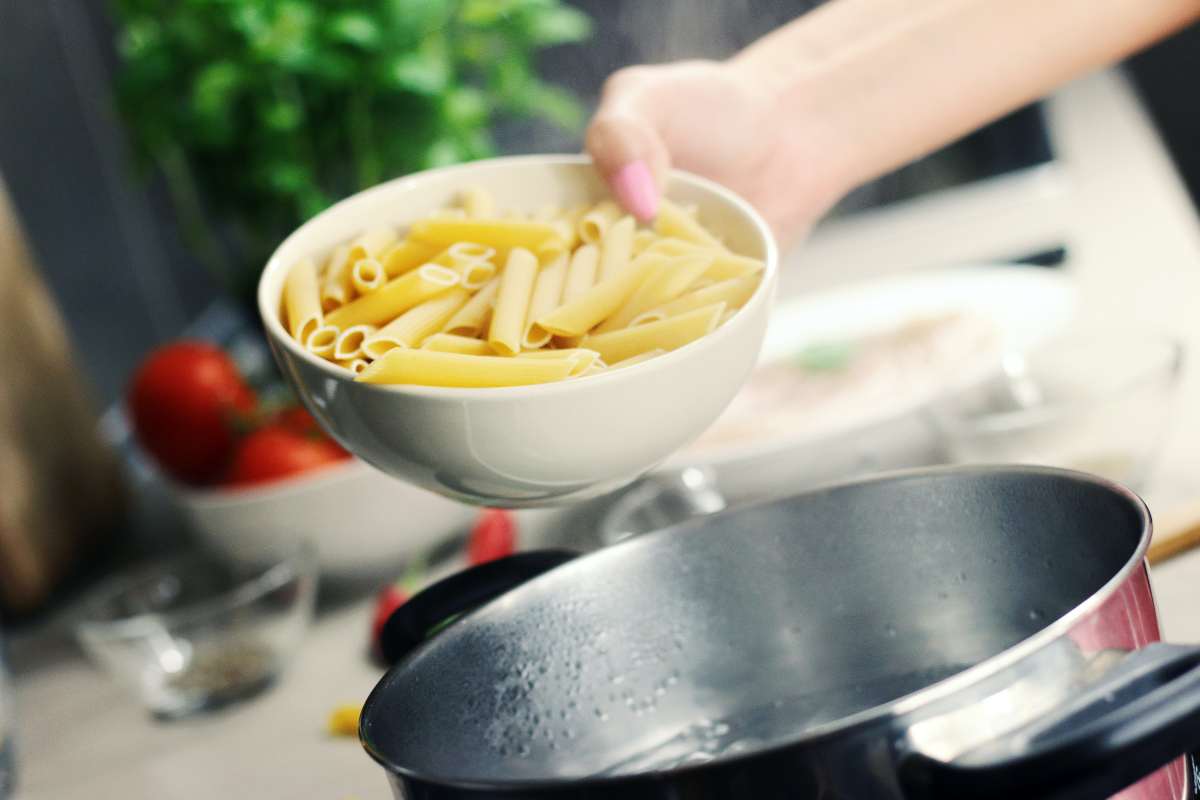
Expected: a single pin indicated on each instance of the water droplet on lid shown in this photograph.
(1034, 614)
(523, 751)
(890, 630)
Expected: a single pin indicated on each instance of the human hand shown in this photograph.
(718, 120)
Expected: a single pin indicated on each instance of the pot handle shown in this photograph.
(1142, 714)
(425, 613)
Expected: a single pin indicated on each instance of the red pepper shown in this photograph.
(393, 596)
(494, 536)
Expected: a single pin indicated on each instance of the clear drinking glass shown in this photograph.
(1099, 402)
(198, 631)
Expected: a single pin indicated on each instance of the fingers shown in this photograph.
(627, 150)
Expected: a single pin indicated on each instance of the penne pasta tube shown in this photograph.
(412, 327)
(349, 342)
(639, 358)
(725, 265)
(577, 316)
(472, 318)
(433, 368)
(547, 295)
(395, 297)
(490, 232)
(733, 293)
(643, 239)
(477, 202)
(371, 244)
(581, 272)
(616, 248)
(728, 315)
(302, 300)
(552, 250)
(449, 213)
(667, 334)
(582, 359)
(355, 365)
(406, 256)
(595, 221)
(366, 275)
(453, 343)
(512, 302)
(728, 265)
(322, 340)
(663, 285)
(674, 221)
(336, 287)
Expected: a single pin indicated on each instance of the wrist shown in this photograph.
(807, 126)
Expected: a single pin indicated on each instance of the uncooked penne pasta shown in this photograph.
(395, 297)
(581, 358)
(493, 233)
(581, 272)
(643, 239)
(664, 284)
(638, 359)
(322, 340)
(348, 344)
(477, 202)
(577, 316)
(453, 343)
(367, 275)
(406, 256)
(616, 248)
(734, 293)
(412, 327)
(674, 221)
(473, 318)
(371, 244)
(512, 302)
(475, 296)
(336, 287)
(667, 334)
(433, 368)
(728, 265)
(355, 365)
(302, 300)
(547, 295)
(595, 221)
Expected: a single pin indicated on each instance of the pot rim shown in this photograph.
(898, 707)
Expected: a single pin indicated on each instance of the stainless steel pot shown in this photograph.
(949, 633)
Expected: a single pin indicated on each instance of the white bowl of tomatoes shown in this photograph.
(251, 474)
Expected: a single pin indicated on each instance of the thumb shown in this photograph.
(631, 158)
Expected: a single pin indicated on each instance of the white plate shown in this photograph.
(1025, 305)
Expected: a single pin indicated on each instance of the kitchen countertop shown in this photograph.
(80, 736)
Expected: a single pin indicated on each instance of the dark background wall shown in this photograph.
(105, 239)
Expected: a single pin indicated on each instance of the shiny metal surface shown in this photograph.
(928, 611)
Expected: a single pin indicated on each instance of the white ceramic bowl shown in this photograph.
(529, 445)
(359, 520)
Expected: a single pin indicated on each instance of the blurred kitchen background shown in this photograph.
(110, 243)
(154, 154)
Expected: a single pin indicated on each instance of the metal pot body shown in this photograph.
(942, 633)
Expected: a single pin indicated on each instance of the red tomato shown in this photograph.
(494, 536)
(298, 419)
(275, 452)
(388, 600)
(183, 403)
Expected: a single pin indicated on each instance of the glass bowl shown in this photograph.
(1100, 403)
(199, 632)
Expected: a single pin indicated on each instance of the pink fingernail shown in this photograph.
(634, 186)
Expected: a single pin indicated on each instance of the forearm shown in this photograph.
(877, 83)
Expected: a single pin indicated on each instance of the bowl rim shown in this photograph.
(288, 563)
(269, 313)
